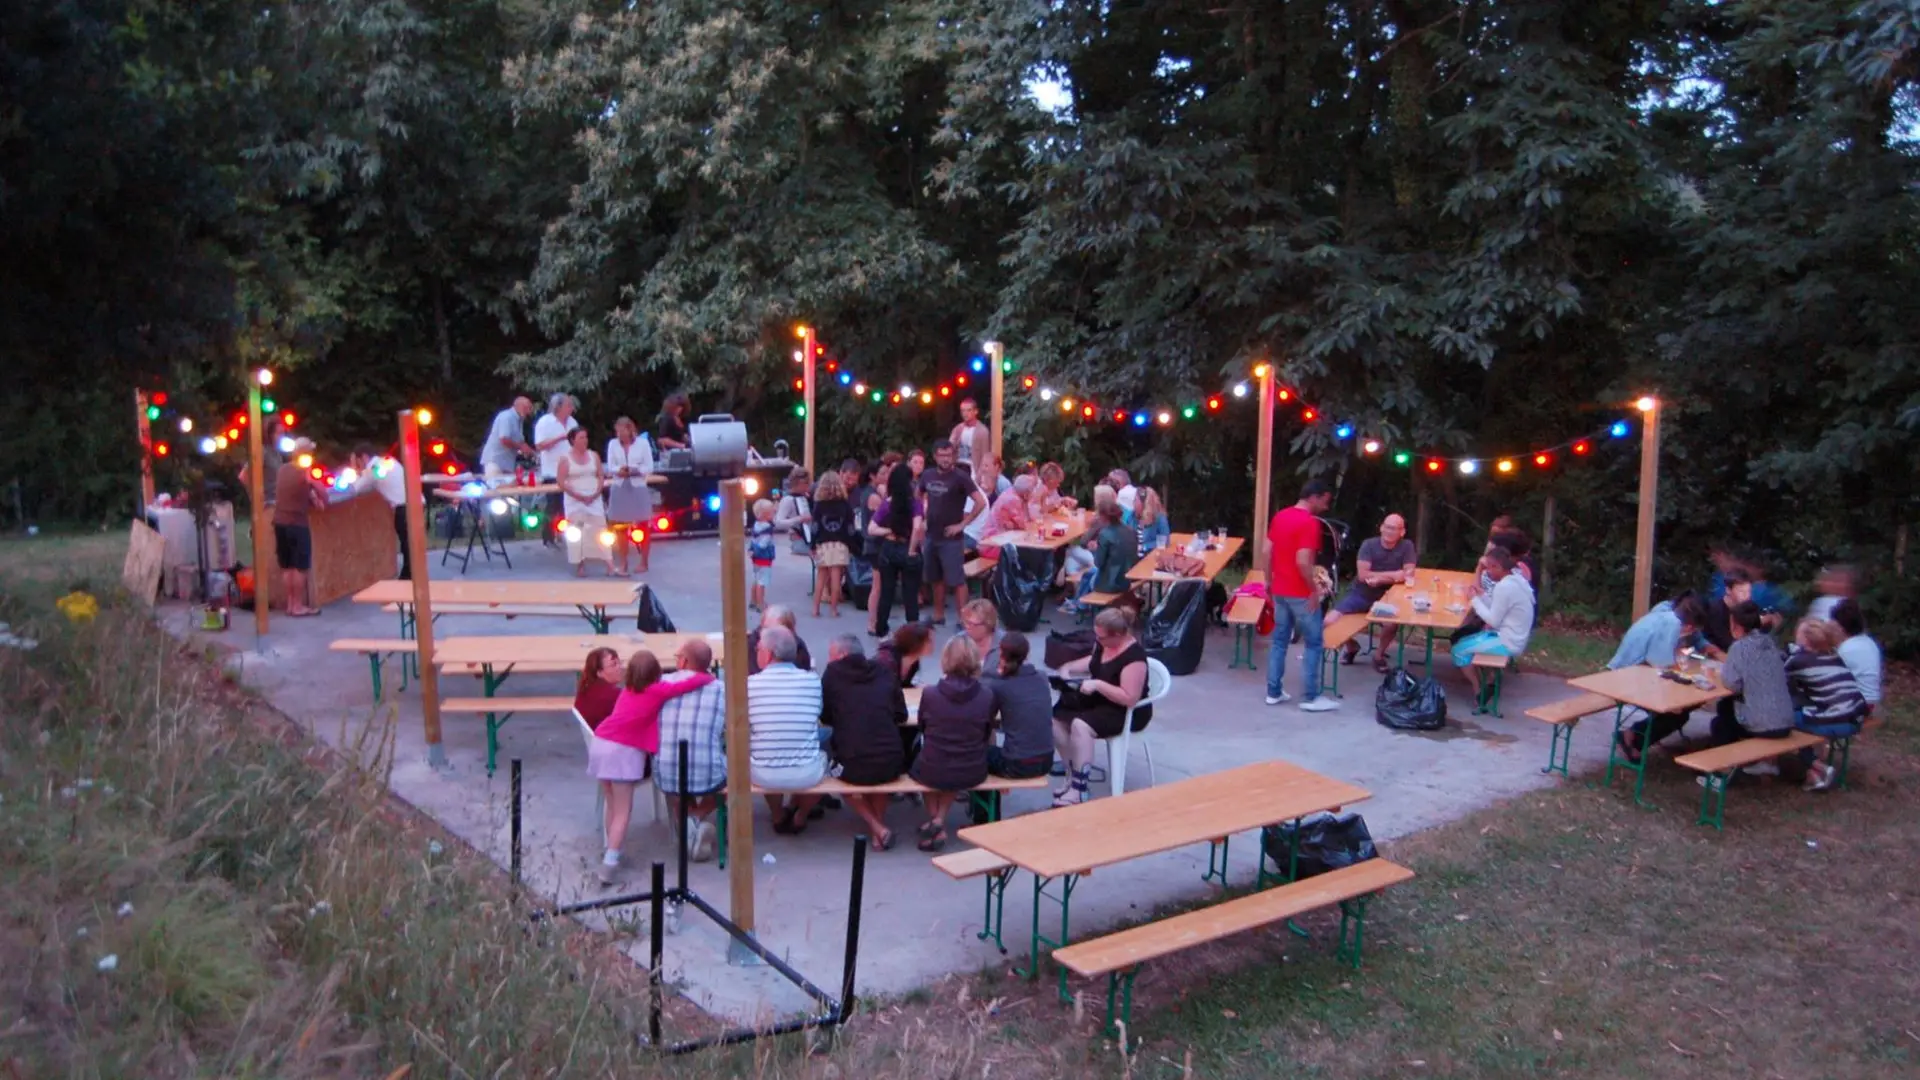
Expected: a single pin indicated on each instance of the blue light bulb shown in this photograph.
(1344, 431)
(978, 364)
(1618, 430)
(1139, 419)
(713, 504)
(846, 379)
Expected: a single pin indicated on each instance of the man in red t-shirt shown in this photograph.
(1291, 549)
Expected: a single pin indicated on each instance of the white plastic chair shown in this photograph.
(1159, 682)
(659, 801)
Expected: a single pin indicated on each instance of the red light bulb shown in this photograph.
(1580, 447)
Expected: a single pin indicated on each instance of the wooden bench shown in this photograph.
(987, 794)
(1243, 615)
(1332, 639)
(1718, 765)
(975, 862)
(1119, 955)
(1487, 696)
(1093, 602)
(978, 569)
(499, 710)
(376, 648)
(1564, 715)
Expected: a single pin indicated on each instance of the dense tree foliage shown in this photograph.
(1471, 225)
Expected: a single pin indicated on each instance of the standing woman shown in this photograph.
(670, 431)
(629, 499)
(1112, 680)
(898, 524)
(833, 540)
(578, 474)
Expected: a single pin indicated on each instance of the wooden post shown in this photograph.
(257, 500)
(995, 353)
(422, 595)
(806, 345)
(1546, 554)
(1262, 459)
(733, 621)
(146, 451)
(1649, 498)
(1421, 504)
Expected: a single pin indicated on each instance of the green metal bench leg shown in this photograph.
(1353, 930)
(1217, 861)
(1120, 985)
(373, 663)
(1264, 876)
(1559, 750)
(597, 618)
(988, 802)
(1330, 671)
(1714, 796)
(1065, 900)
(1615, 760)
(1242, 647)
(1488, 698)
(1845, 748)
(720, 857)
(994, 921)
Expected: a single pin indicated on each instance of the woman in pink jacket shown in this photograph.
(625, 742)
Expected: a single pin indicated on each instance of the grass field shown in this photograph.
(284, 918)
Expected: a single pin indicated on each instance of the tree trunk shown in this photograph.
(440, 331)
(1546, 555)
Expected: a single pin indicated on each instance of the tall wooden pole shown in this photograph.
(1649, 498)
(257, 500)
(1263, 457)
(806, 345)
(1546, 555)
(996, 353)
(422, 595)
(733, 623)
(146, 451)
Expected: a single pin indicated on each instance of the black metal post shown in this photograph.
(657, 946)
(854, 890)
(514, 868)
(684, 799)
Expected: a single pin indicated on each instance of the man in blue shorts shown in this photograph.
(1382, 563)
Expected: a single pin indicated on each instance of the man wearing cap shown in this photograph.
(296, 493)
(1290, 551)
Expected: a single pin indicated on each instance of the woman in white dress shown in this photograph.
(629, 499)
(578, 474)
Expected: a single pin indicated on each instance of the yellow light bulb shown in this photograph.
(1645, 404)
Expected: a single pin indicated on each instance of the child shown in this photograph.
(760, 549)
(833, 536)
(620, 755)
(1826, 698)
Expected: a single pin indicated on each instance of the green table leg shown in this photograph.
(1559, 750)
(1265, 876)
(720, 857)
(1614, 760)
(490, 682)
(596, 617)
(1122, 982)
(994, 920)
(373, 663)
(1217, 861)
(1065, 900)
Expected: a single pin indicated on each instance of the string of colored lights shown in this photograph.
(1084, 409)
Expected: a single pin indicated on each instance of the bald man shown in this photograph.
(1383, 562)
(507, 438)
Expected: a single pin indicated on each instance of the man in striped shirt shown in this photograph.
(700, 720)
(784, 742)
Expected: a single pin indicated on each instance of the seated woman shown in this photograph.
(1113, 679)
(956, 722)
(1150, 521)
(862, 705)
(1026, 713)
(1114, 553)
(1762, 706)
(901, 653)
(1826, 698)
(1656, 639)
(624, 744)
(1078, 559)
(599, 686)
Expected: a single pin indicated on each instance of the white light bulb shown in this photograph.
(186, 424)
(207, 445)
(497, 507)
(1240, 390)
(1468, 468)
(1046, 393)
(286, 444)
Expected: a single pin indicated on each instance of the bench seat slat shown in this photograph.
(973, 862)
(369, 645)
(553, 703)
(904, 785)
(1570, 710)
(1245, 611)
(1746, 752)
(1491, 660)
(1343, 630)
(1139, 944)
(509, 610)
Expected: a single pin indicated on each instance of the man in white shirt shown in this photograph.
(1859, 652)
(1124, 492)
(506, 438)
(1507, 610)
(784, 745)
(377, 472)
(550, 442)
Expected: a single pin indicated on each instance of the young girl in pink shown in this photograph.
(625, 742)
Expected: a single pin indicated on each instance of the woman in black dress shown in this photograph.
(1112, 680)
(956, 724)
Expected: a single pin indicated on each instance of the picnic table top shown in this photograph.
(1642, 686)
(558, 652)
(1216, 557)
(1076, 522)
(1435, 584)
(607, 592)
(1147, 821)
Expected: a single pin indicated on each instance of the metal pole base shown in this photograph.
(437, 758)
(740, 956)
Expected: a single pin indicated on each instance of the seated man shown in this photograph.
(1859, 652)
(778, 615)
(1656, 639)
(1382, 563)
(1734, 587)
(698, 719)
(1507, 612)
(864, 709)
(783, 724)
(1761, 706)
(1025, 699)
(1009, 514)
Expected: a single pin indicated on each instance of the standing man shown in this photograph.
(1381, 564)
(952, 502)
(971, 440)
(506, 439)
(550, 442)
(296, 494)
(388, 477)
(1291, 548)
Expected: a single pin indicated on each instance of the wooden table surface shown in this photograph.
(508, 594)
(1642, 686)
(1076, 522)
(1216, 559)
(1147, 821)
(558, 652)
(1437, 584)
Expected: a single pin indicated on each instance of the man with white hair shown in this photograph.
(783, 616)
(783, 729)
(506, 438)
(1124, 492)
(550, 442)
(1010, 512)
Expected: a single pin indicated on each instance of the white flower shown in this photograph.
(109, 962)
(434, 848)
(125, 909)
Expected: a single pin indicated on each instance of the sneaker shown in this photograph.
(670, 918)
(705, 840)
(611, 873)
(1820, 777)
(1284, 697)
(1319, 704)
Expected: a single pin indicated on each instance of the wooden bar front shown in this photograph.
(353, 547)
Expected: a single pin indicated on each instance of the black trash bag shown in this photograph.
(1217, 604)
(1176, 632)
(653, 614)
(1018, 586)
(857, 586)
(1064, 648)
(1327, 842)
(1408, 704)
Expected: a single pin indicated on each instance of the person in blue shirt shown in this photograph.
(1656, 639)
(1775, 603)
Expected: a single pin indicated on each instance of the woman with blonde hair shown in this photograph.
(629, 499)
(833, 539)
(578, 474)
(1100, 690)
(1150, 518)
(1826, 697)
(956, 725)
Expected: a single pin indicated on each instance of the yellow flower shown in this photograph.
(78, 607)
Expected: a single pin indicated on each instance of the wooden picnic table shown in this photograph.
(1216, 557)
(500, 655)
(591, 599)
(1643, 687)
(1438, 586)
(1068, 843)
(1041, 533)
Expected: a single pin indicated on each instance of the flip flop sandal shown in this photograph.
(935, 842)
(928, 828)
(885, 842)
